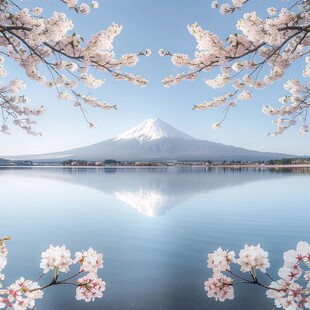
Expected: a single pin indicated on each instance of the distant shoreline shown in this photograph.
(163, 166)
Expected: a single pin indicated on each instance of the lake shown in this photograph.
(154, 226)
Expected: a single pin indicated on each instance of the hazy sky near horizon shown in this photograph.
(154, 25)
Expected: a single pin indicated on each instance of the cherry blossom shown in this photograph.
(49, 52)
(90, 260)
(288, 274)
(293, 258)
(293, 294)
(3, 257)
(287, 295)
(22, 294)
(253, 58)
(89, 288)
(220, 260)
(56, 258)
(253, 257)
(219, 287)
(216, 125)
(14, 106)
(291, 291)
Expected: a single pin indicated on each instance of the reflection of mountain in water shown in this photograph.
(154, 191)
(149, 202)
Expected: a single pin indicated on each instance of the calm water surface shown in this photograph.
(154, 227)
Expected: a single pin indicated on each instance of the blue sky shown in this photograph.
(153, 24)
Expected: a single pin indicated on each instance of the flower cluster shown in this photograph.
(20, 295)
(3, 257)
(59, 259)
(220, 260)
(56, 258)
(220, 287)
(14, 106)
(293, 107)
(23, 293)
(82, 8)
(89, 288)
(253, 257)
(39, 45)
(287, 293)
(227, 8)
(90, 260)
(254, 57)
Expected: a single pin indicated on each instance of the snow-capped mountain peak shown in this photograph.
(152, 129)
(155, 140)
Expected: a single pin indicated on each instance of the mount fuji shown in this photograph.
(155, 140)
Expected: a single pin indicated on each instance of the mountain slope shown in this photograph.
(156, 140)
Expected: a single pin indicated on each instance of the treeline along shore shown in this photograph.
(281, 163)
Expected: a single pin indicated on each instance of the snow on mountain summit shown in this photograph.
(152, 129)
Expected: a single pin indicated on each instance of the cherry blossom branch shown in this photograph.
(24, 293)
(32, 41)
(285, 292)
(277, 41)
